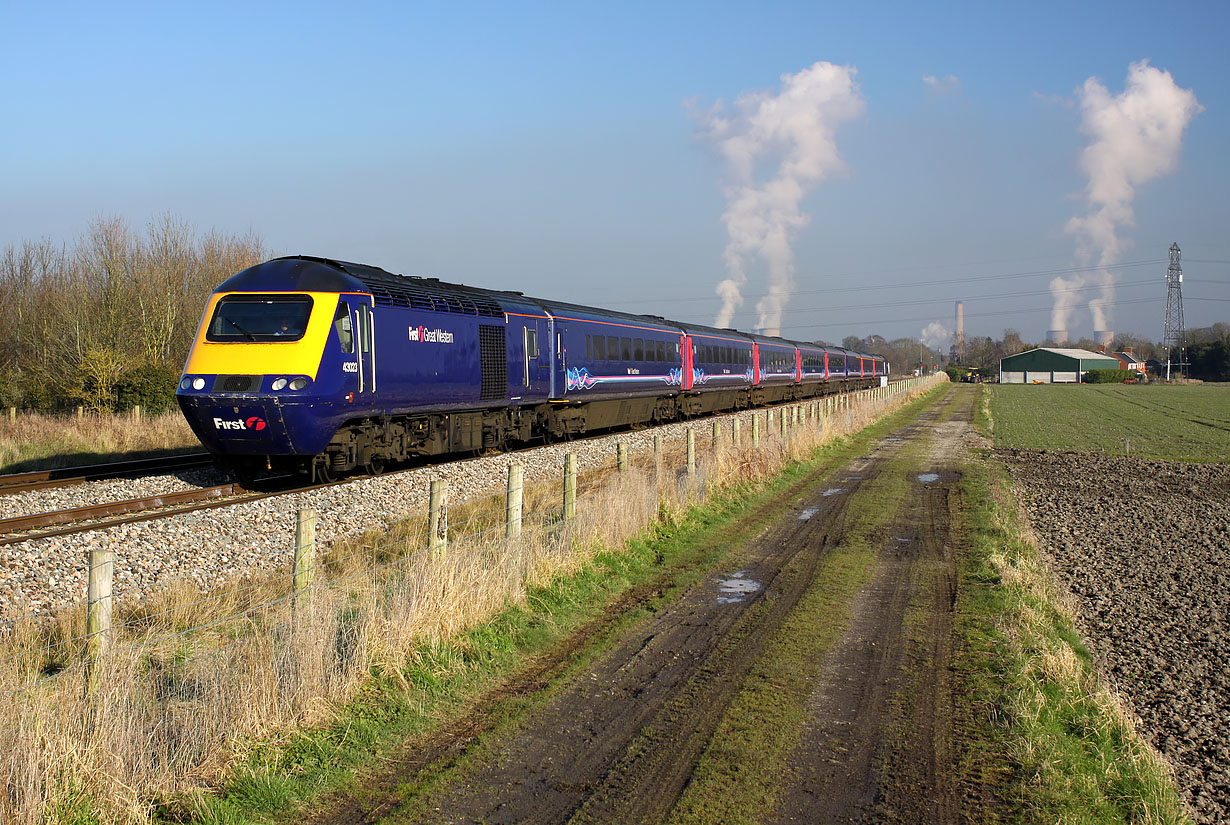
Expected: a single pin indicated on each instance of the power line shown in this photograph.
(1018, 311)
(935, 282)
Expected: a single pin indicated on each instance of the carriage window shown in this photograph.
(589, 348)
(531, 343)
(661, 346)
(600, 347)
(639, 353)
(612, 348)
(345, 331)
(625, 349)
(259, 318)
(365, 330)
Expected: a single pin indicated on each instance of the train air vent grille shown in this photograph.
(239, 383)
(388, 293)
(493, 357)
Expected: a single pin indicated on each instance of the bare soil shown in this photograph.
(620, 742)
(1144, 548)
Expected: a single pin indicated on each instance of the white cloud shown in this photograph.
(1057, 100)
(943, 84)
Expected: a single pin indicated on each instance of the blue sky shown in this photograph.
(546, 146)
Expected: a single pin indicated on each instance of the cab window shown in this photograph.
(345, 330)
(259, 318)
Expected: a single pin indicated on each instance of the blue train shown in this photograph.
(324, 367)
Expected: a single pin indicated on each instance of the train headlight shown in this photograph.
(299, 384)
(185, 384)
(279, 384)
(198, 383)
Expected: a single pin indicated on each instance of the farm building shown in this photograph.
(1129, 361)
(1047, 365)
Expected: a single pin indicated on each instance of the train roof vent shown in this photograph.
(400, 291)
(414, 292)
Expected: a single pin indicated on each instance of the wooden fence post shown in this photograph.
(755, 428)
(717, 434)
(734, 431)
(621, 457)
(98, 614)
(305, 552)
(136, 413)
(512, 502)
(437, 516)
(570, 486)
(691, 452)
(12, 413)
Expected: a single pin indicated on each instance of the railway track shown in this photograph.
(100, 516)
(69, 476)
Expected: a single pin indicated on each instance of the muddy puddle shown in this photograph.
(736, 588)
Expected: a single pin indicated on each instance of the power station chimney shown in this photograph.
(1058, 336)
(959, 335)
(1105, 338)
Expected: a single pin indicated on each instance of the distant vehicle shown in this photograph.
(973, 375)
(323, 367)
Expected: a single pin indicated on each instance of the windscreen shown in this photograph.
(259, 318)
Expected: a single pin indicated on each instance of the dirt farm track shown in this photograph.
(638, 731)
(1144, 547)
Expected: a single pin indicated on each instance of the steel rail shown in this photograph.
(69, 476)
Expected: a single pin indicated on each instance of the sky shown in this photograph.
(568, 150)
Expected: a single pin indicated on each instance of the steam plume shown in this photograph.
(1135, 137)
(935, 335)
(793, 129)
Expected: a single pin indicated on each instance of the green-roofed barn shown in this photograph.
(1051, 365)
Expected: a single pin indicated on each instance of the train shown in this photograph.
(326, 367)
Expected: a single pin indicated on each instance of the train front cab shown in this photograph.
(271, 375)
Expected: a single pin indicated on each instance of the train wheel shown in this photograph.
(375, 466)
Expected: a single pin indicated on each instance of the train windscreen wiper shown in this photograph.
(242, 331)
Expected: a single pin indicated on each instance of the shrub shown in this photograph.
(1109, 376)
(152, 386)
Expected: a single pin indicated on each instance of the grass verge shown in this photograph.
(1052, 743)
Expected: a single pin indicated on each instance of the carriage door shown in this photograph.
(686, 379)
(536, 346)
(365, 345)
(756, 364)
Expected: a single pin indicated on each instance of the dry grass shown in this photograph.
(45, 442)
(192, 678)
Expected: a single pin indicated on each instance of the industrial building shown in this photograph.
(1049, 365)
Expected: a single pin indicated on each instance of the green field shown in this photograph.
(1185, 423)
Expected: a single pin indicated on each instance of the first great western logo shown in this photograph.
(253, 423)
(430, 336)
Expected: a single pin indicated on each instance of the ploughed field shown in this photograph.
(1144, 547)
